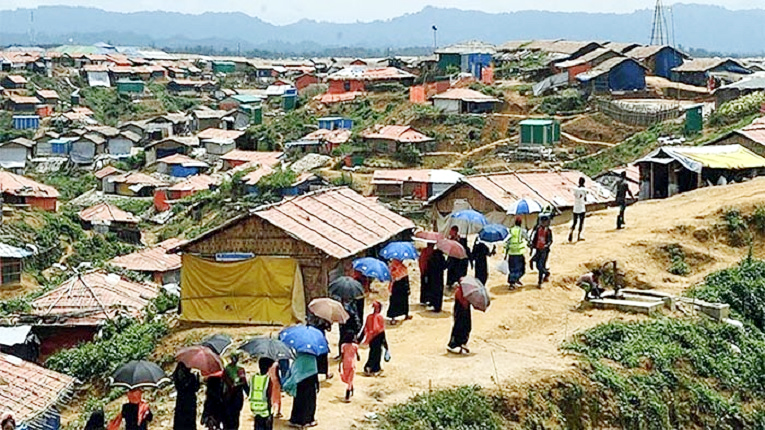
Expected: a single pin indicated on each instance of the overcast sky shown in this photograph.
(288, 11)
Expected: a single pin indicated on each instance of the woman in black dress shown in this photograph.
(374, 336)
(480, 256)
(462, 324)
(186, 385)
(322, 361)
(136, 412)
(213, 410)
(436, 267)
(399, 292)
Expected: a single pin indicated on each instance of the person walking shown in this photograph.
(374, 336)
(96, 420)
(423, 261)
(213, 410)
(302, 383)
(235, 388)
(399, 292)
(186, 386)
(462, 324)
(322, 361)
(350, 355)
(580, 209)
(436, 267)
(622, 190)
(541, 241)
(515, 249)
(261, 395)
(136, 413)
(275, 380)
(457, 268)
(480, 259)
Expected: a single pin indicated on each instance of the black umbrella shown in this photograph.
(346, 288)
(218, 343)
(268, 347)
(138, 374)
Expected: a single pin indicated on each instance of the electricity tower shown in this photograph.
(660, 30)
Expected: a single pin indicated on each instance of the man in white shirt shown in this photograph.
(580, 208)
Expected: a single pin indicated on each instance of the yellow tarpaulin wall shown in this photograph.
(262, 290)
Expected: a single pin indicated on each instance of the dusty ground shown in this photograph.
(517, 340)
(600, 128)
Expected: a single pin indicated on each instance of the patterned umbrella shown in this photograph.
(452, 248)
(201, 358)
(475, 292)
(138, 374)
(330, 310)
(525, 207)
(399, 251)
(305, 339)
(373, 268)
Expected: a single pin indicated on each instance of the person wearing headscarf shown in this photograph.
(7, 422)
(365, 282)
(374, 336)
(399, 291)
(274, 378)
(96, 420)
(436, 267)
(457, 268)
(186, 385)
(136, 413)
(213, 409)
(349, 351)
(302, 383)
(462, 324)
(351, 327)
(235, 388)
(480, 258)
(423, 261)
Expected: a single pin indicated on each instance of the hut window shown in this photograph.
(11, 270)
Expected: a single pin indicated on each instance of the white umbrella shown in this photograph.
(525, 207)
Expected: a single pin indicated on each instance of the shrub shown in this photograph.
(737, 109)
(742, 287)
(409, 155)
(567, 101)
(677, 257)
(134, 206)
(464, 408)
(120, 344)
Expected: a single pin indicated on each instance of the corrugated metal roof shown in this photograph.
(219, 134)
(183, 160)
(262, 158)
(703, 64)
(48, 94)
(8, 251)
(92, 298)
(337, 136)
(643, 52)
(589, 57)
(21, 141)
(416, 175)
(398, 133)
(18, 185)
(605, 67)
(210, 113)
(106, 171)
(107, 212)
(555, 188)
(153, 259)
(137, 178)
(363, 73)
(28, 390)
(17, 79)
(469, 47)
(16, 99)
(195, 183)
(339, 222)
(465, 94)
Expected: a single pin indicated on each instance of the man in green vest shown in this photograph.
(515, 249)
(260, 397)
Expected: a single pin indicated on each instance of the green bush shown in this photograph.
(98, 249)
(567, 101)
(678, 265)
(126, 342)
(737, 109)
(135, 206)
(742, 287)
(68, 184)
(464, 408)
(279, 179)
(408, 155)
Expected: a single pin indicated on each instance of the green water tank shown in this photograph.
(694, 119)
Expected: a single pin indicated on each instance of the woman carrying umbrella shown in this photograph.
(96, 421)
(322, 361)
(399, 292)
(462, 324)
(457, 268)
(435, 280)
(479, 256)
(302, 383)
(374, 336)
(186, 385)
(235, 388)
(213, 410)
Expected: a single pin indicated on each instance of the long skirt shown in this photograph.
(425, 295)
(462, 326)
(322, 364)
(376, 345)
(399, 299)
(233, 410)
(482, 270)
(304, 406)
(453, 271)
(264, 423)
(360, 308)
(437, 294)
(517, 266)
(185, 415)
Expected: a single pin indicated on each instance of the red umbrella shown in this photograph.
(201, 358)
(430, 236)
(452, 248)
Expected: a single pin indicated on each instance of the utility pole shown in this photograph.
(435, 39)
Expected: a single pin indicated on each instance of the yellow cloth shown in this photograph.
(262, 290)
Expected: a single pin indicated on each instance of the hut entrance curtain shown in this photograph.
(262, 290)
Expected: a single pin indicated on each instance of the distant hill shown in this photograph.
(711, 28)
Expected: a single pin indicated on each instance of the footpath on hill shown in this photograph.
(518, 339)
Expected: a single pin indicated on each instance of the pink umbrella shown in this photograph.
(452, 248)
(475, 292)
(201, 358)
(328, 309)
(429, 236)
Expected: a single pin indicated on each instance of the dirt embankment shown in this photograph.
(599, 128)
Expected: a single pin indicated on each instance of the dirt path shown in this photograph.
(476, 151)
(585, 142)
(523, 329)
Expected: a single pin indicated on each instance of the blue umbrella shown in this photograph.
(372, 268)
(525, 207)
(305, 339)
(493, 233)
(399, 251)
(468, 220)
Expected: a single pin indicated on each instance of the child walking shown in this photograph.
(350, 355)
